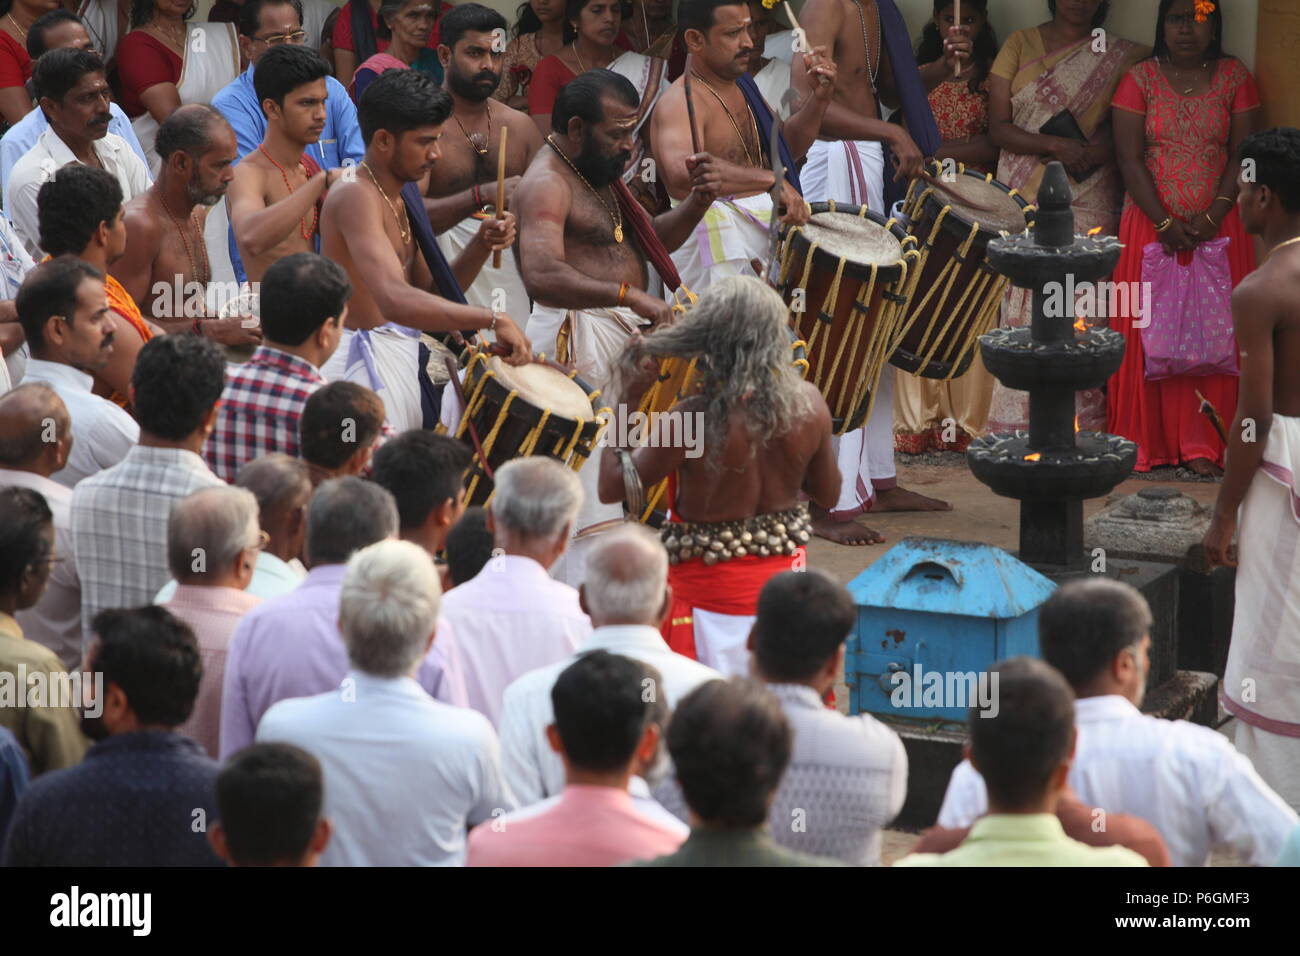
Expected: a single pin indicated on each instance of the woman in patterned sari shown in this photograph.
(1179, 118)
(1059, 70)
(539, 33)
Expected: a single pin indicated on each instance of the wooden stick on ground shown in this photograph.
(501, 187)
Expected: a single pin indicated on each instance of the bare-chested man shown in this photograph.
(735, 229)
(165, 268)
(462, 187)
(276, 195)
(1261, 686)
(738, 515)
(849, 164)
(582, 260)
(366, 227)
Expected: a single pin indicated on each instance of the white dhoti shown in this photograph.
(732, 232)
(853, 172)
(1261, 686)
(501, 290)
(387, 361)
(595, 339)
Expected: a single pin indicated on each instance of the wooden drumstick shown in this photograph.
(690, 106)
(794, 22)
(501, 187)
(956, 17)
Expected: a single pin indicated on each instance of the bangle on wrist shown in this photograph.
(1164, 226)
(492, 327)
(1228, 199)
(622, 292)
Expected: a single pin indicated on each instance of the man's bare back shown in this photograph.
(1271, 294)
(257, 176)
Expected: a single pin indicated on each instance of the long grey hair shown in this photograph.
(739, 331)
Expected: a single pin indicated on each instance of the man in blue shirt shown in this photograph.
(262, 25)
(53, 31)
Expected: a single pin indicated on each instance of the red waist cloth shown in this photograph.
(728, 587)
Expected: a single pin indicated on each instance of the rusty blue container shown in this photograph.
(933, 616)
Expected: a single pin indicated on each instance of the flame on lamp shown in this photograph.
(1093, 232)
(1080, 326)
(1076, 424)
(1034, 457)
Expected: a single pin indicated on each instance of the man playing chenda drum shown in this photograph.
(737, 518)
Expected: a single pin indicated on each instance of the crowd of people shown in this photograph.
(239, 579)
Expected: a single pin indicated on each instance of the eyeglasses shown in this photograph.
(282, 38)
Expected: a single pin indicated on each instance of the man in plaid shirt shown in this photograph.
(303, 302)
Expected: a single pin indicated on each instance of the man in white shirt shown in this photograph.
(627, 597)
(15, 263)
(847, 777)
(405, 775)
(512, 617)
(35, 438)
(1185, 780)
(74, 95)
(65, 316)
(119, 516)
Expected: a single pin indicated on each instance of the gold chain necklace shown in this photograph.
(1170, 64)
(1282, 245)
(615, 214)
(481, 150)
(200, 276)
(403, 231)
(10, 18)
(753, 122)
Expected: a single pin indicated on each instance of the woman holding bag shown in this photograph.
(1179, 117)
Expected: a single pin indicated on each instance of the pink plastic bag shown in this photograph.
(1190, 312)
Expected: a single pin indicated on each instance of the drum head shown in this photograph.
(545, 387)
(855, 235)
(1004, 213)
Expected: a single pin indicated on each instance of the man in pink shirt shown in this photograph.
(608, 722)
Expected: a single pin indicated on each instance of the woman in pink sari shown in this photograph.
(1179, 118)
(1059, 71)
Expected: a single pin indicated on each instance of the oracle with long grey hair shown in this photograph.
(739, 331)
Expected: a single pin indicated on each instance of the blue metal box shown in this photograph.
(933, 616)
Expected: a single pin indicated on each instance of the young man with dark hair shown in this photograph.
(1261, 687)
(270, 797)
(1184, 779)
(66, 318)
(338, 429)
(141, 777)
(119, 516)
(264, 25)
(730, 745)
(278, 188)
(426, 475)
(606, 728)
(469, 546)
(166, 268)
(1024, 752)
(46, 729)
(462, 186)
(303, 303)
(80, 213)
(848, 775)
(74, 96)
(377, 228)
(59, 29)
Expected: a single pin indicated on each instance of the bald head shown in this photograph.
(208, 532)
(627, 578)
(35, 430)
(282, 486)
(197, 147)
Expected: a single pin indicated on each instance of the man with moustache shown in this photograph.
(734, 124)
(462, 186)
(72, 92)
(278, 188)
(65, 317)
(376, 227)
(165, 268)
(587, 245)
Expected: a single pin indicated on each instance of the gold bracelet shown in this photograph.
(1227, 199)
(1164, 226)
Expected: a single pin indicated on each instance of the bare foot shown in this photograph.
(843, 532)
(900, 499)
(1205, 468)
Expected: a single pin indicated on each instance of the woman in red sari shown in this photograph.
(1179, 118)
